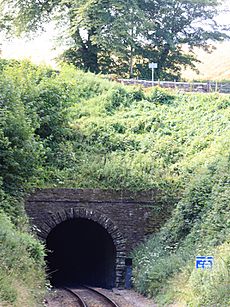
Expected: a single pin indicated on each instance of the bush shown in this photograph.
(21, 152)
(22, 277)
(210, 287)
(161, 96)
(164, 267)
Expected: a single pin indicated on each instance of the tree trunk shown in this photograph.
(131, 64)
(90, 56)
(131, 54)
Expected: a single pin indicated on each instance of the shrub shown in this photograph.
(198, 224)
(161, 96)
(22, 266)
(210, 287)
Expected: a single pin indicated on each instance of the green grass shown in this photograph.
(199, 226)
(86, 132)
(22, 278)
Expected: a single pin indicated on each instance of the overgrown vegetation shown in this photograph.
(199, 226)
(21, 266)
(72, 129)
(22, 276)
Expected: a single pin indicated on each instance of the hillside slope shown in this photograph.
(72, 129)
(214, 66)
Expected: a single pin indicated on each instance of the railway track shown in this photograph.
(90, 297)
(80, 301)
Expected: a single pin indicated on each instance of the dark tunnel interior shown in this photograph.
(80, 251)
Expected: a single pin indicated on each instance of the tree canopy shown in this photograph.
(122, 37)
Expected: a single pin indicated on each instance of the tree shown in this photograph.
(95, 26)
(177, 24)
(121, 37)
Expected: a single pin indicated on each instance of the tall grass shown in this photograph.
(86, 132)
(22, 278)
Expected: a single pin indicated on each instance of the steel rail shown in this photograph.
(81, 302)
(105, 297)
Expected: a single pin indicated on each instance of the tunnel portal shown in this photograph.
(64, 219)
(81, 251)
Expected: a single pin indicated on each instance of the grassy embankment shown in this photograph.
(213, 66)
(77, 130)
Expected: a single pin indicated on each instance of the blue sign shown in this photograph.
(204, 262)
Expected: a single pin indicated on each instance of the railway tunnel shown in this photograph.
(81, 251)
(90, 233)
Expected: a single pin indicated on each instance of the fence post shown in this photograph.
(208, 87)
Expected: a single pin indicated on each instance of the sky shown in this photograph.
(41, 48)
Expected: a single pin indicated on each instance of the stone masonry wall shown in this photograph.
(123, 214)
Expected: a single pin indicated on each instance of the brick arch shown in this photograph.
(51, 221)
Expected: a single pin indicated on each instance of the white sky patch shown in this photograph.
(38, 50)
